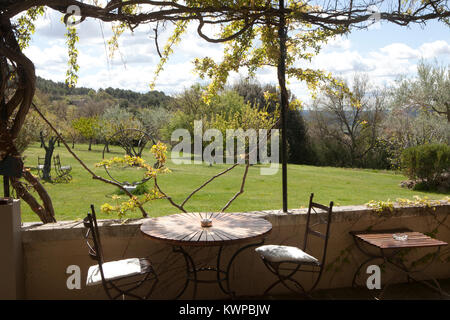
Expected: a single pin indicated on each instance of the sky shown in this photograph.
(385, 52)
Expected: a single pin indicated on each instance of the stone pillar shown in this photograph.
(11, 255)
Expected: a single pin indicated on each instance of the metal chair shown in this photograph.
(285, 261)
(40, 166)
(119, 278)
(63, 172)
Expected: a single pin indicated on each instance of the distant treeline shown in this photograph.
(127, 98)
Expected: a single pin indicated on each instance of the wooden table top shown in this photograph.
(384, 239)
(185, 229)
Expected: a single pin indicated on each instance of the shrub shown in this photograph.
(426, 162)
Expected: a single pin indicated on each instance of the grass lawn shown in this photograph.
(343, 186)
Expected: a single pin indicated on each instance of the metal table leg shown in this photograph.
(404, 269)
(228, 290)
(221, 275)
(190, 271)
(389, 260)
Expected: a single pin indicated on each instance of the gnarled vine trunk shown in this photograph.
(44, 211)
(17, 87)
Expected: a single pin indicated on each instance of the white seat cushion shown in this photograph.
(113, 270)
(274, 253)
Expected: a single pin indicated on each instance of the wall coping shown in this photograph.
(73, 230)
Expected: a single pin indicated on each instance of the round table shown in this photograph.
(185, 230)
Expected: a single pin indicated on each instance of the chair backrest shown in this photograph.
(324, 217)
(57, 161)
(92, 237)
(41, 161)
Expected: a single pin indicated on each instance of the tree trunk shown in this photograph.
(90, 144)
(448, 111)
(48, 157)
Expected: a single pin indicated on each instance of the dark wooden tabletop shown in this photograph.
(384, 239)
(185, 229)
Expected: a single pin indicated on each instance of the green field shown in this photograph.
(343, 186)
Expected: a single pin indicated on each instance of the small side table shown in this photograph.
(390, 250)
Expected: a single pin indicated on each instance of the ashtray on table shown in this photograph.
(206, 223)
(400, 236)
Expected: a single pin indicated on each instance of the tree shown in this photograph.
(154, 120)
(256, 94)
(429, 91)
(405, 128)
(240, 116)
(256, 33)
(187, 107)
(31, 128)
(49, 148)
(87, 128)
(113, 127)
(90, 108)
(350, 122)
(300, 150)
(115, 119)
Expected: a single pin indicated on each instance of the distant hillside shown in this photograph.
(127, 98)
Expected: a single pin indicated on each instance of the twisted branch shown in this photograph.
(94, 176)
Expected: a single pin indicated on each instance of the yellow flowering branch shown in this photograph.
(159, 151)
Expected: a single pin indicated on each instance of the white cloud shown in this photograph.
(434, 49)
(399, 51)
(338, 43)
(50, 62)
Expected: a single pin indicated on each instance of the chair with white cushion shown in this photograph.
(286, 261)
(119, 278)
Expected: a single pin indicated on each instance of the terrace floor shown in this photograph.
(404, 291)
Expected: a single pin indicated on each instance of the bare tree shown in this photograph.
(352, 121)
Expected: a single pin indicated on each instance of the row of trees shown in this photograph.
(366, 127)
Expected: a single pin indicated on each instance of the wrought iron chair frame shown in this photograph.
(278, 267)
(114, 288)
(40, 166)
(63, 174)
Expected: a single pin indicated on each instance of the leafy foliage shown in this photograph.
(388, 206)
(26, 27)
(73, 67)
(87, 127)
(428, 91)
(140, 190)
(426, 162)
(299, 144)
